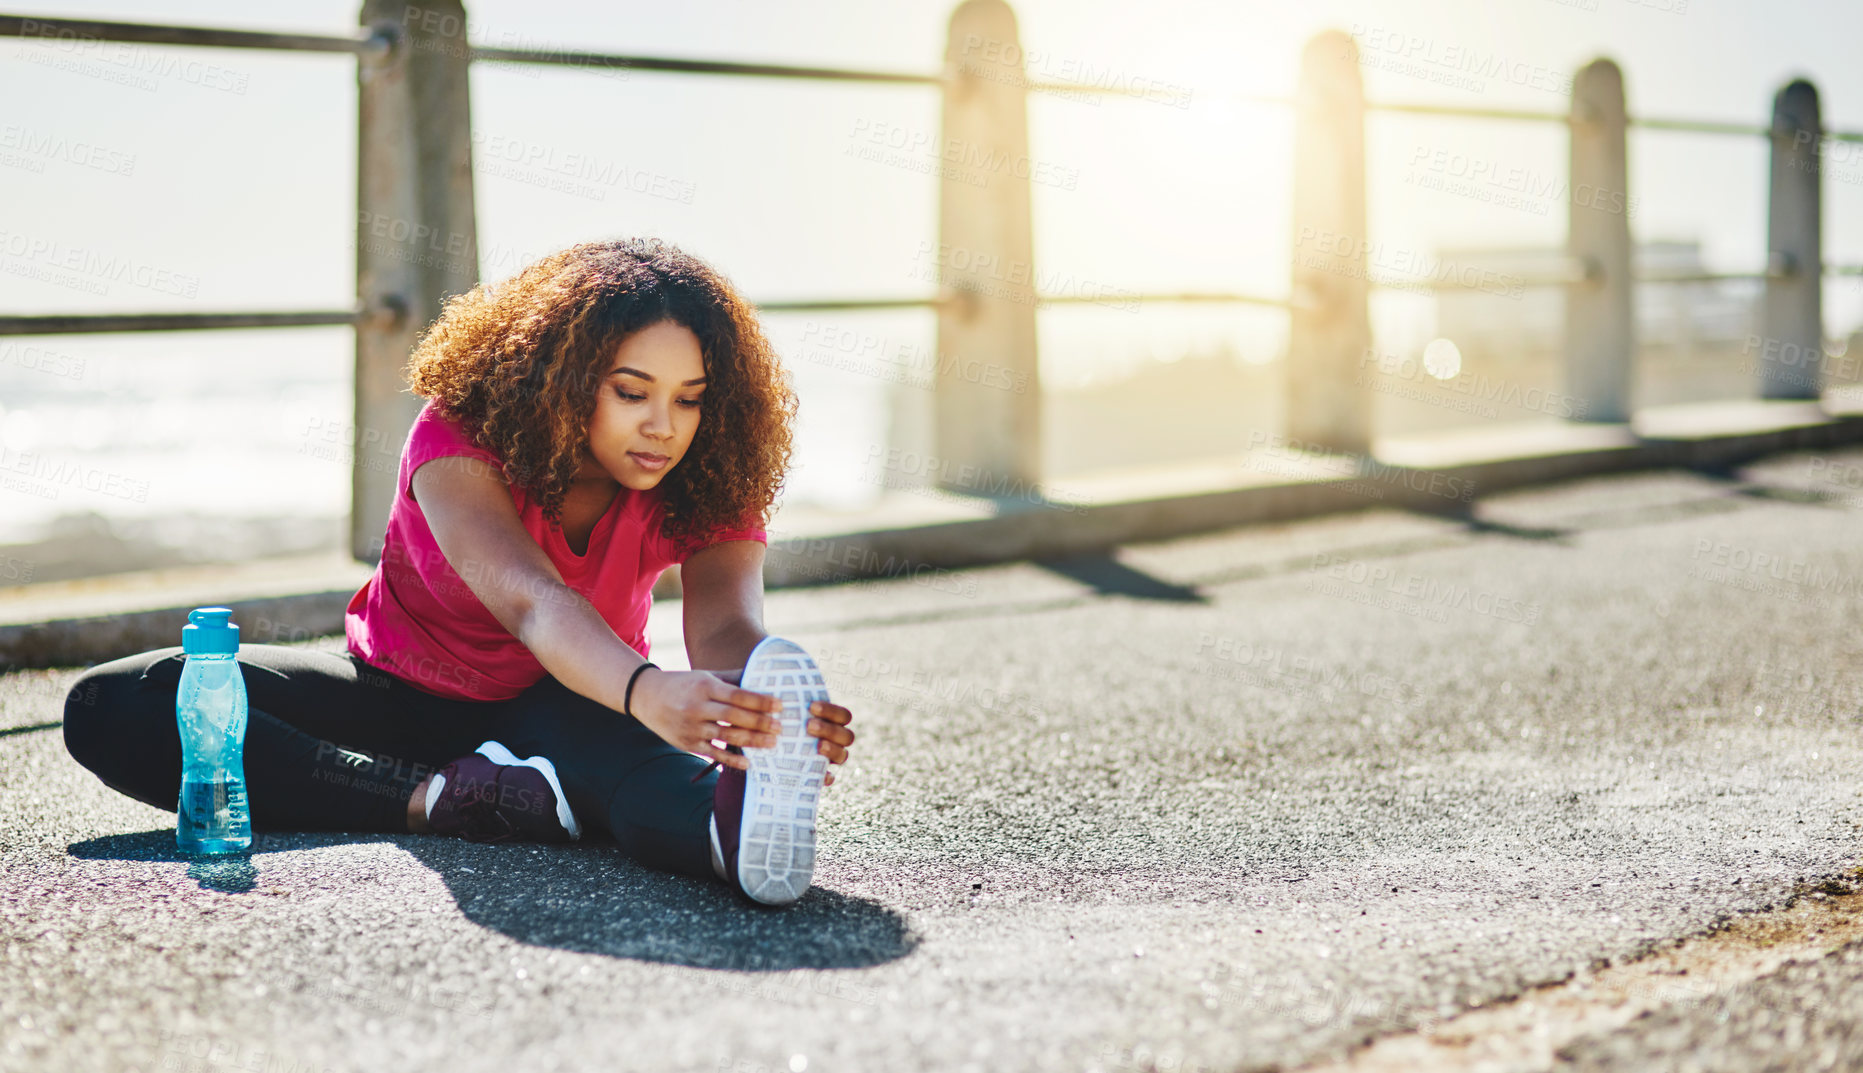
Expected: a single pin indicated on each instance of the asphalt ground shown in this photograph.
(1240, 801)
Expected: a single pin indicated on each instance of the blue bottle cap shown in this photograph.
(210, 632)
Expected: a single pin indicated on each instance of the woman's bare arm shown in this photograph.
(722, 594)
(722, 603)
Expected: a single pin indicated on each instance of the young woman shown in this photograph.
(610, 411)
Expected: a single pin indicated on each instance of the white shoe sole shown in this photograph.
(783, 788)
(498, 754)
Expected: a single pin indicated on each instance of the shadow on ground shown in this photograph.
(589, 899)
(1108, 576)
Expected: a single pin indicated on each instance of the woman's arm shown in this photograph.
(468, 506)
(722, 593)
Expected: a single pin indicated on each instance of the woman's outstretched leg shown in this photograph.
(653, 797)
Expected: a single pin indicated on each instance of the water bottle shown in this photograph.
(210, 710)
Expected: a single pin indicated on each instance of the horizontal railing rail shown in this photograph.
(91, 323)
(378, 41)
(566, 58)
(367, 43)
(99, 323)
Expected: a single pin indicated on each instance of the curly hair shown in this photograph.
(519, 365)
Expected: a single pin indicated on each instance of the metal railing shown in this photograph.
(412, 157)
(372, 43)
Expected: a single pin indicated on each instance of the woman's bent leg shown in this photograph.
(331, 744)
(619, 775)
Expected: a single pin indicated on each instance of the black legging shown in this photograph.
(334, 744)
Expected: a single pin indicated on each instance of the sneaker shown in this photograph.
(763, 820)
(492, 796)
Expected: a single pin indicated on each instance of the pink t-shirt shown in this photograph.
(418, 619)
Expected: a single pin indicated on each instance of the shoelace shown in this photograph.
(481, 821)
(714, 765)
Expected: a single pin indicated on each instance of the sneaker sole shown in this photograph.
(498, 754)
(783, 788)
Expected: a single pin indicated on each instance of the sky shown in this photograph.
(230, 182)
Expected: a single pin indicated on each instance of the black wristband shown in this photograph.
(627, 699)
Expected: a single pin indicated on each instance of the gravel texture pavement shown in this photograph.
(1240, 801)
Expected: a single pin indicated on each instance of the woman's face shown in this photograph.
(647, 410)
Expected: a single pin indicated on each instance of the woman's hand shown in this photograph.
(720, 711)
(694, 709)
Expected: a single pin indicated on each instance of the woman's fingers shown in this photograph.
(831, 732)
(830, 725)
(834, 740)
(831, 711)
(729, 759)
(733, 716)
(750, 720)
(743, 737)
(743, 708)
(754, 710)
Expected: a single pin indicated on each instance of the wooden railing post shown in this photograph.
(1600, 317)
(986, 434)
(1330, 325)
(1792, 313)
(416, 238)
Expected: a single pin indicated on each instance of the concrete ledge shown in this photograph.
(912, 533)
(66, 623)
(1277, 481)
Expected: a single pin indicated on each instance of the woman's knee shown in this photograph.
(120, 711)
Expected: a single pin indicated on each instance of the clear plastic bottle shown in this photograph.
(210, 710)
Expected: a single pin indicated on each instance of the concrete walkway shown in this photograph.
(1240, 801)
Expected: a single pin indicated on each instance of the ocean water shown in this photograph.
(204, 438)
(139, 428)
